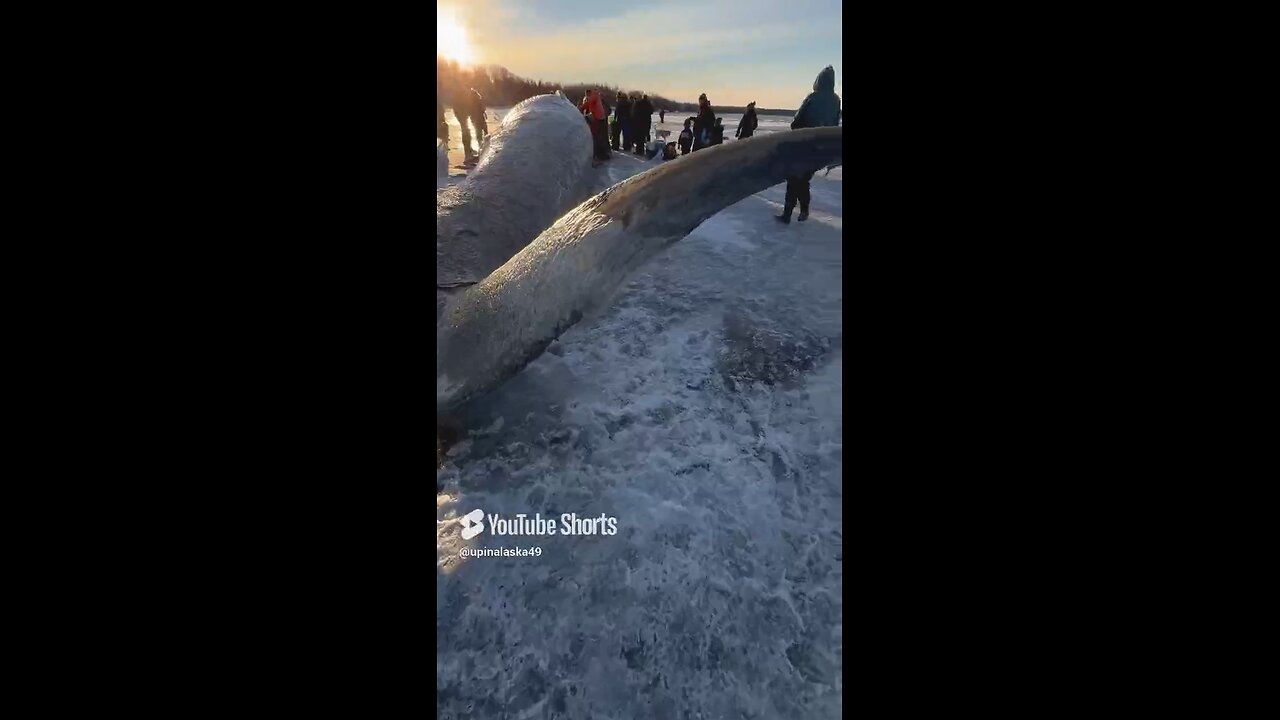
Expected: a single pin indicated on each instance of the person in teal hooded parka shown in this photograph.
(820, 109)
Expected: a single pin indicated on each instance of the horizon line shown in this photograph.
(596, 85)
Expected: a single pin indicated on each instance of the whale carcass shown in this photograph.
(532, 170)
(491, 327)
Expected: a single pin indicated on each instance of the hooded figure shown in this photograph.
(820, 109)
(747, 126)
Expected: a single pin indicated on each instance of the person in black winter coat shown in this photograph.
(623, 113)
(615, 127)
(641, 120)
(702, 125)
(820, 109)
(747, 126)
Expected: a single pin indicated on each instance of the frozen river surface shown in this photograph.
(702, 410)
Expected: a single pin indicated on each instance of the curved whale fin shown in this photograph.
(494, 328)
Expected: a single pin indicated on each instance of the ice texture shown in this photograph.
(702, 409)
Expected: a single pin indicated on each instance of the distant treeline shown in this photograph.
(500, 87)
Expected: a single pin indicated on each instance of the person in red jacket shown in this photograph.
(593, 107)
(584, 107)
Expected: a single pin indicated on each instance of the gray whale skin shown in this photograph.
(492, 321)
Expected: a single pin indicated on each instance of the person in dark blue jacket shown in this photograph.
(820, 109)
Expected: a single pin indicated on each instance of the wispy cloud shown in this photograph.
(740, 51)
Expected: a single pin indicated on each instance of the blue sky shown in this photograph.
(763, 50)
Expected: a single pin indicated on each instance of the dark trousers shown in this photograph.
(641, 136)
(482, 129)
(627, 138)
(466, 134)
(600, 139)
(615, 132)
(797, 189)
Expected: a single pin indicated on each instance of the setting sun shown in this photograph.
(451, 38)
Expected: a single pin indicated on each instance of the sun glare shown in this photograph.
(451, 38)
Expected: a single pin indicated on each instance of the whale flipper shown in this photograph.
(490, 330)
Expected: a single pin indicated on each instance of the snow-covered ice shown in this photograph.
(702, 409)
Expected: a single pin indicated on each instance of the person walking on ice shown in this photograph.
(820, 109)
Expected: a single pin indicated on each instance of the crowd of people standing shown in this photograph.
(628, 123)
(626, 126)
(705, 129)
(821, 108)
